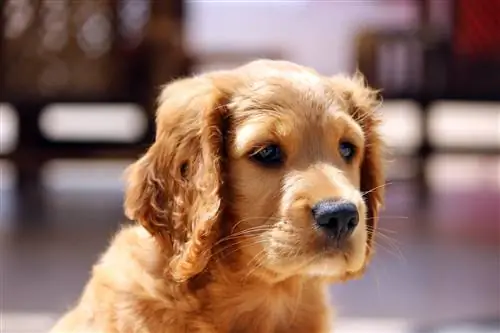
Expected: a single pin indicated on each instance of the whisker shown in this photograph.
(258, 258)
(255, 257)
(381, 233)
(376, 187)
(266, 218)
(387, 217)
(385, 237)
(238, 246)
(380, 229)
(249, 230)
(393, 245)
(238, 237)
(395, 252)
(242, 233)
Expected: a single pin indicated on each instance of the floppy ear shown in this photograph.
(175, 189)
(362, 102)
(373, 178)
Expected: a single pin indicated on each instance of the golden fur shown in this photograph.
(223, 244)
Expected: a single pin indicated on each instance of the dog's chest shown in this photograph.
(264, 312)
(258, 316)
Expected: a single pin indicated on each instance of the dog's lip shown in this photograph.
(326, 253)
(332, 245)
(334, 252)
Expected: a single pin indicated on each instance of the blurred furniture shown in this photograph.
(453, 54)
(83, 52)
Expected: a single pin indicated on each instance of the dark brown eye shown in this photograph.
(270, 155)
(347, 150)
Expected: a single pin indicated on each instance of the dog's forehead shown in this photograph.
(289, 102)
(298, 82)
(290, 89)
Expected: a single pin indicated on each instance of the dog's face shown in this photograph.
(294, 158)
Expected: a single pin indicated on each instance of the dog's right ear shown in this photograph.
(175, 190)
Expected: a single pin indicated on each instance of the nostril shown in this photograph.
(353, 223)
(336, 217)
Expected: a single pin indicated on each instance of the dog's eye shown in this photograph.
(269, 155)
(347, 150)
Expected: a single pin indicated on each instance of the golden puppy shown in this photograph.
(263, 185)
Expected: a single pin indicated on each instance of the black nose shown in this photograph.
(337, 218)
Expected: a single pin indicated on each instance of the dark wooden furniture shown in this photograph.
(451, 57)
(99, 51)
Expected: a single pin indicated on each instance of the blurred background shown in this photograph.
(77, 84)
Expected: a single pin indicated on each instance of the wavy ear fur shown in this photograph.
(175, 189)
(362, 102)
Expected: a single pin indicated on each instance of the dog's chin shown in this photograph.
(328, 267)
(334, 267)
(281, 256)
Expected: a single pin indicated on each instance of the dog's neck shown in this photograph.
(249, 299)
(244, 299)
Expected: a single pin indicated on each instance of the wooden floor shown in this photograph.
(434, 265)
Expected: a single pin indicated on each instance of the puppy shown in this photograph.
(262, 187)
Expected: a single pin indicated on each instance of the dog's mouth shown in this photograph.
(330, 260)
(333, 257)
(301, 247)
(335, 262)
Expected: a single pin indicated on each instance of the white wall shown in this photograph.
(315, 33)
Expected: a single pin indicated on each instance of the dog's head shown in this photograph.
(270, 160)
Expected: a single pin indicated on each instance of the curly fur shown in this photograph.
(222, 244)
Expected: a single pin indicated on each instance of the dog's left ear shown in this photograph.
(362, 102)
